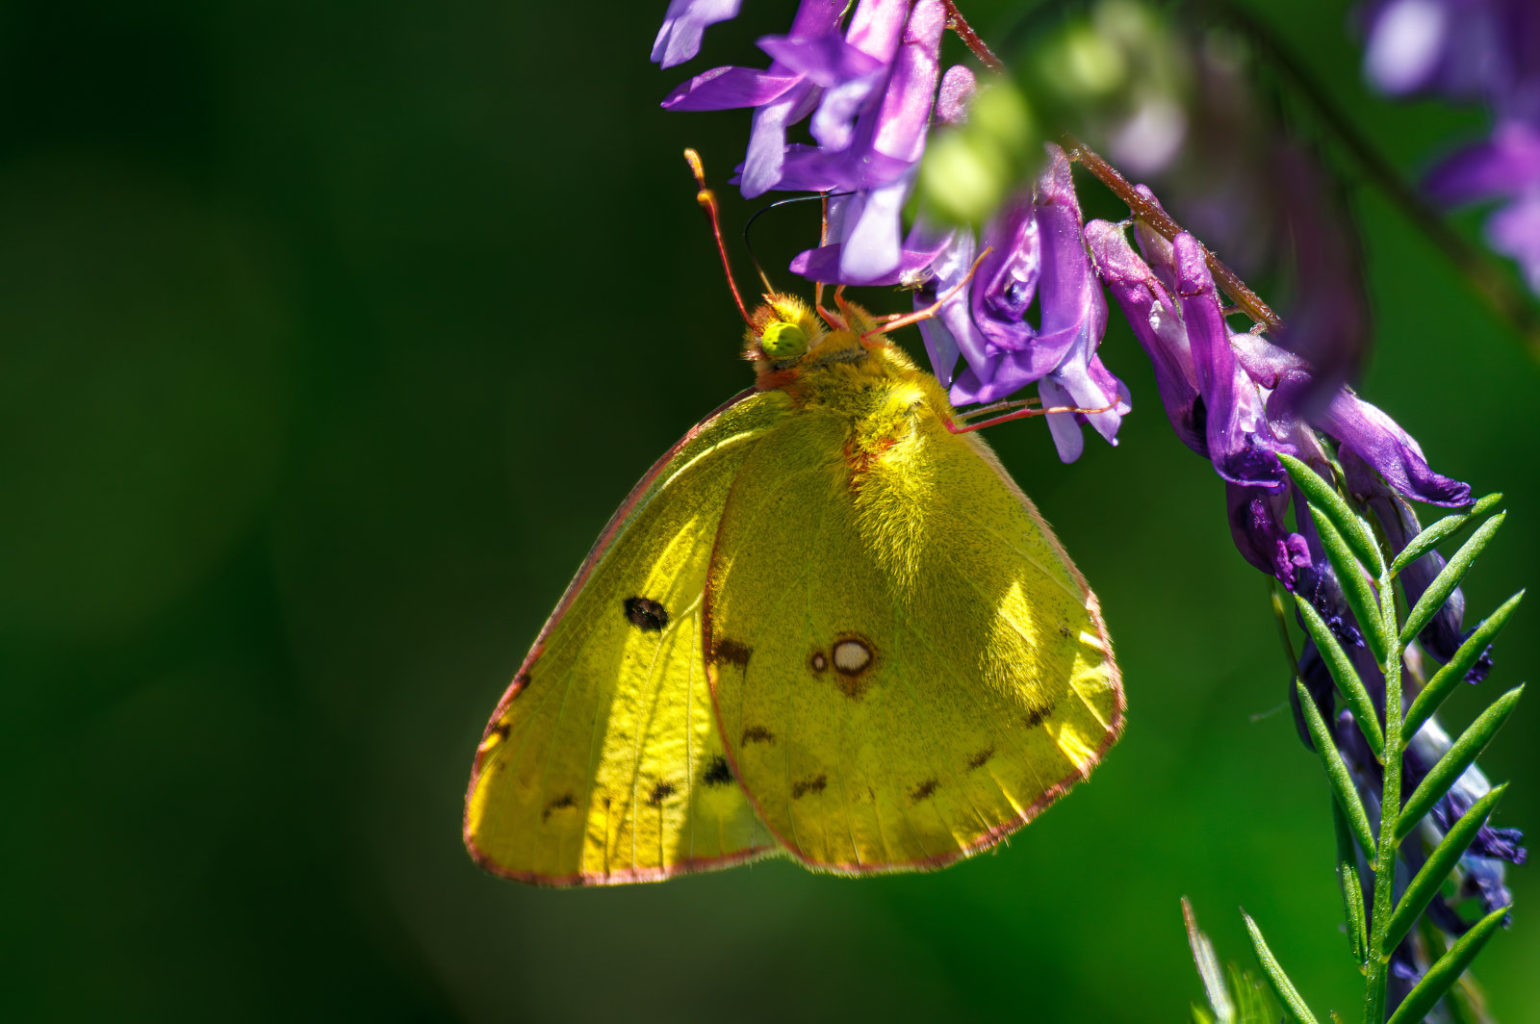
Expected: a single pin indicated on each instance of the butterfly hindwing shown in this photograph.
(603, 763)
(917, 669)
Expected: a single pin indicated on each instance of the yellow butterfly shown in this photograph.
(826, 623)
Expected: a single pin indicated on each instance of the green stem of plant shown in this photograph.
(1377, 970)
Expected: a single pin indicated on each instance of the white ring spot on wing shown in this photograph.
(851, 656)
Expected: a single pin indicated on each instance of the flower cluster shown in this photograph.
(1022, 302)
(1486, 51)
(868, 90)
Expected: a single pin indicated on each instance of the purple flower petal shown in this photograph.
(1233, 413)
(1515, 231)
(727, 88)
(1444, 633)
(684, 24)
(1257, 524)
(1006, 283)
(958, 87)
(952, 329)
(904, 115)
(1406, 44)
(823, 264)
(1505, 165)
(875, 29)
(1391, 451)
(871, 247)
(1152, 316)
(825, 59)
(764, 164)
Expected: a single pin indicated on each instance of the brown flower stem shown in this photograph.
(980, 49)
(1149, 212)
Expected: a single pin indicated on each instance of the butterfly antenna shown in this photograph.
(893, 323)
(823, 233)
(708, 202)
(823, 240)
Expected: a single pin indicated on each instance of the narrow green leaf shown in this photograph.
(1342, 671)
(1348, 523)
(1447, 970)
(1456, 759)
(1438, 591)
(1355, 585)
(1287, 993)
(1336, 772)
(1352, 888)
(1209, 971)
(1438, 532)
(1444, 680)
(1442, 861)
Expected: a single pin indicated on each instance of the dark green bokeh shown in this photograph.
(334, 332)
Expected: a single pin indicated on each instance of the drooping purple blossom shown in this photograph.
(1036, 254)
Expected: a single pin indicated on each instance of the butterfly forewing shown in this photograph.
(603, 762)
(917, 668)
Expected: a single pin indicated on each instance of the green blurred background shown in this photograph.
(333, 333)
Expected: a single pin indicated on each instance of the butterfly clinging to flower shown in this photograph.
(825, 624)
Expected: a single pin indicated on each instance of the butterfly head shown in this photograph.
(781, 331)
(786, 337)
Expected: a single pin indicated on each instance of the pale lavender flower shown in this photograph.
(1505, 167)
(1487, 51)
(869, 92)
(1036, 254)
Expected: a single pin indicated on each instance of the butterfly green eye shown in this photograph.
(782, 340)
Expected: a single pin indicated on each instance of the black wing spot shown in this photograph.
(757, 734)
(495, 734)
(732, 652)
(803, 787)
(645, 614)
(1035, 719)
(520, 684)
(717, 772)
(564, 802)
(1064, 631)
(924, 791)
(980, 759)
(661, 792)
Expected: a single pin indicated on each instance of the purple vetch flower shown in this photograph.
(679, 38)
(1507, 167)
(869, 92)
(782, 95)
(1443, 635)
(1237, 399)
(1481, 872)
(1036, 253)
(871, 133)
(1486, 51)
